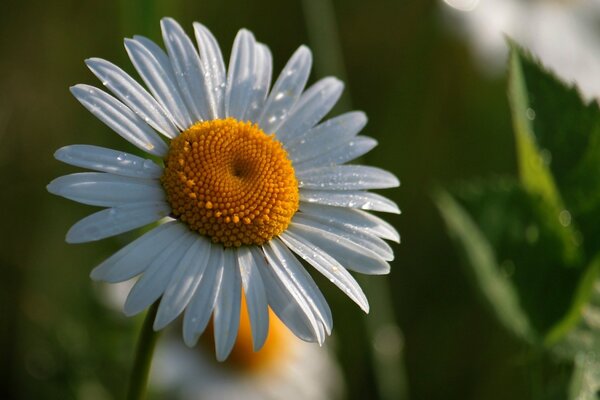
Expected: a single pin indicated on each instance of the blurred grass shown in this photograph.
(437, 120)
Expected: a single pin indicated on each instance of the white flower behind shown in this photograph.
(286, 368)
(561, 32)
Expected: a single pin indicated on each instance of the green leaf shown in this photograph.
(558, 142)
(583, 299)
(520, 255)
(494, 285)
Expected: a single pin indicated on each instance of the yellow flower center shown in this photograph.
(230, 181)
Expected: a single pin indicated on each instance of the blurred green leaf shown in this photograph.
(534, 171)
(520, 255)
(581, 301)
(558, 141)
(496, 288)
(531, 244)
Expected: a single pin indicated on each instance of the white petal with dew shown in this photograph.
(116, 220)
(133, 95)
(326, 136)
(328, 266)
(312, 106)
(351, 199)
(350, 255)
(240, 75)
(189, 73)
(120, 119)
(356, 236)
(351, 218)
(183, 283)
(287, 304)
(105, 189)
(154, 280)
(256, 298)
(345, 152)
(346, 177)
(154, 67)
(286, 90)
(107, 160)
(290, 271)
(201, 306)
(263, 68)
(211, 59)
(226, 317)
(134, 258)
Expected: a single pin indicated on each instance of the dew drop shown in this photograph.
(530, 114)
(564, 218)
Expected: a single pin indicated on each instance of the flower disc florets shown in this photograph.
(230, 181)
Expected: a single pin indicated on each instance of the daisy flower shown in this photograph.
(245, 180)
(285, 368)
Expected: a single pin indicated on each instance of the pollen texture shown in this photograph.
(230, 181)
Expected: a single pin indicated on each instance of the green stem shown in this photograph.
(138, 380)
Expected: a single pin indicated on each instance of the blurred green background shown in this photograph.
(437, 118)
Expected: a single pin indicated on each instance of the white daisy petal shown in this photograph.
(106, 190)
(345, 152)
(107, 160)
(350, 255)
(263, 68)
(154, 280)
(314, 104)
(226, 316)
(352, 199)
(116, 220)
(346, 177)
(201, 306)
(356, 236)
(286, 90)
(214, 67)
(120, 118)
(353, 219)
(183, 283)
(288, 268)
(133, 95)
(189, 72)
(328, 266)
(326, 136)
(134, 258)
(256, 298)
(156, 51)
(240, 75)
(285, 301)
(154, 67)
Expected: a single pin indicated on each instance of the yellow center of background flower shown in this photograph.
(230, 181)
(276, 350)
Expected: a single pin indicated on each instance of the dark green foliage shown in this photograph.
(531, 243)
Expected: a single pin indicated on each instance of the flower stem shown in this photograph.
(143, 357)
